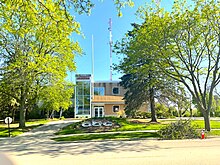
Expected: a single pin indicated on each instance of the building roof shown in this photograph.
(108, 99)
(107, 81)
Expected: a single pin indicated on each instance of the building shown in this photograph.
(97, 99)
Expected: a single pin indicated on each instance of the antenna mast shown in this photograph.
(110, 44)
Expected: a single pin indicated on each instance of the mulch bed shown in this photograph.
(99, 128)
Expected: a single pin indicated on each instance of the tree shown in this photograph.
(186, 44)
(36, 51)
(143, 79)
(8, 106)
(34, 44)
(56, 97)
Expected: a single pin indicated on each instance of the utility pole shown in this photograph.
(110, 44)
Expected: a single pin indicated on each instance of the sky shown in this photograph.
(96, 25)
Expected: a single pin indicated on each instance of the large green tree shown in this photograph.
(35, 49)
(186, 46)
(143, 79)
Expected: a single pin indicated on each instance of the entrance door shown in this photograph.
(99, 111)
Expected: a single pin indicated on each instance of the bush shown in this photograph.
(162, 111)
(62, 118)
(198, 114)
(143, 115)
(173, 112)
(179, 130)
(187, 114)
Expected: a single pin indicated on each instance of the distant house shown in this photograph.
(97, 99)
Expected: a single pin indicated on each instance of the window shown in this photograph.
(99, 91)
(115, 108)
(115, 90)
(82, 96)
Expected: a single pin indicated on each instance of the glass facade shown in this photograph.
(83, 97)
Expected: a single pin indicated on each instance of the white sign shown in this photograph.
(8, 120)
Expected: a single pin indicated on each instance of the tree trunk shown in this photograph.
(61, 112)
(22, 110)
(22, 114)
(152, 106)
(207, 121)
(13, 114)
(179, 110)
(52, 114)
(191, 115)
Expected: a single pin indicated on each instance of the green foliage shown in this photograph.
(197, 113)
(182, 44)
(179, 130)
(69, 113)
(8, 106)
(142, 115)
(173, 111)
(56, 96)
(186, 114)
(137, 92)
(62, 118)
(36, 52)
(35, 113)
(162, 111)
(85, 6)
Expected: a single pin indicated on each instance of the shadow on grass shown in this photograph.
(16, 131)
(39, 142)
(119, 136)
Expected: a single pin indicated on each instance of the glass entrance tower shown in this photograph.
(83, 96)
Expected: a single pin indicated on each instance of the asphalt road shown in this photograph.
(36, 148)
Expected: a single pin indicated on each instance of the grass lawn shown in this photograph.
(199, 124)
(120, 136)
(213, 133)
(123, 125)
(130, 125)
(15, 131)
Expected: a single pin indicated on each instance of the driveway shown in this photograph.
(36, 148)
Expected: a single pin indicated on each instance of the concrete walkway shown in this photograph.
(36, 148)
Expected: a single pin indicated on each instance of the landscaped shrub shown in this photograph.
(198, 113)
(121, 113)
(181, 129)
(143, 115)
(186, 114)
(162, 111)
(173, 112)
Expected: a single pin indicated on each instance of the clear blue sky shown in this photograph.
(97, 25)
